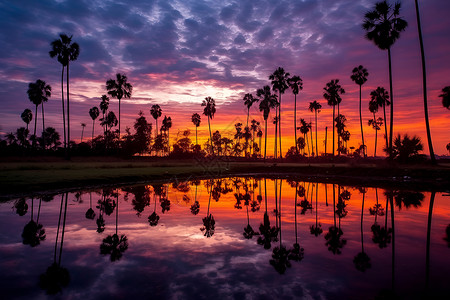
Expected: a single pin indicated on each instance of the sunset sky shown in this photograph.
(176, 53)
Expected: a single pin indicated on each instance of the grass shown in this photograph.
(54, 174)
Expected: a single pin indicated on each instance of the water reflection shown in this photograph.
(376, 242)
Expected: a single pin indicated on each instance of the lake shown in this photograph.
(228, 238)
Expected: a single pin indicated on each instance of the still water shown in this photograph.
(238, 238)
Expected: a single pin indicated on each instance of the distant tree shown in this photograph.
(316, 107)
(93, 113)
(142, 137)
(166, 125)
(359, 76)
(196, 119)
(383, 26)
(332, 94)
(381, 97)
(156, 112)
(119, 88)
(279, 80)
(209, 111)
(65, 51)
(109, 121)
(50, 138)
(248, 102)
(83, 125)
(27, 116)
(22, 136)
(304, 128)
(375, 123)
(104, 105)
(445, 97)
(296, 85)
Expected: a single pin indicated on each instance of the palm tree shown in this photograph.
(166, 125)
(83, 125)
(332, 94)
(104, 105)
(424, 80)
(209, 111)
(248, 102)
(119, 89)
(304, 128)
(296, 84)
(196, 119)
(94, 113)
(38, 92)
(27, 116)
(268, 102)
(359, 76)
(156, 112)
(445, 97)
(381, 97)
(375, 123)
(383, 26)
(279, 83)
(65, 51)
(315, 106)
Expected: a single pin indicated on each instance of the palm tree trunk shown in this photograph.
(59, 224)
(362, 216)
(68, 114)
(276, 133)
(338, 135)
(117, 212)
(312, 143)
(333, 131)
(424, 77)
(43, 125)
(265, 140)
(210, 137)
(360, 121)
(430, 214)
(196, 142)
(326, 139)
(385, 126)
(93, 124)
(391, 117)
(279, 126)
(35, 125)
(334, 205)
(295, 121)
(317, 149)
(63, 111)
(376, 135)
(63, 229)
(119, 117)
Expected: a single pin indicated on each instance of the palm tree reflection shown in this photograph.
(21, 206)
(208, 221)
(268, 234)
(334, 234)
(90, 214)
(362, 260)
(33, 232)
(317, 228)
(153, 219)
(297, 252)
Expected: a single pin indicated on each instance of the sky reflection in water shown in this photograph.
(158, 242)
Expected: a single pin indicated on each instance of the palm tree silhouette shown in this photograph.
(362, 260)
(166, 125)
(83, 125)
(65, 51)
(248, 102)
(249, 233)
(57, 277)
(209, 111)
(33, 232)
(279, 83)
(334, 234)
(316, 107)
(445, 97)
(196, 119)
(317, 228)
(268, 234)
(375, 123)
(268, 102)
(90, 214)
(304, 128)
(114, 245)
(208, 221)
(93, 113)
(296, 84)
(38, 93)
(27, 116)
(359, 76)
(381, 97)
(424, 82)
(332, 94)
(119, 88)
(104, 105)
(383, 26)
(297, 252)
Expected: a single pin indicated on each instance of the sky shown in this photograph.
(176, 53)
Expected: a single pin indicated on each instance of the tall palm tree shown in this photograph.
(209, 111)
(332, 94)
(359, 76)
(196, 119)
(381, 97)
(248, 102)
(383, 26)
(296, 84)
(65, 51)
(424, 80)
(38, 93)
(445, 97)
(167, 124)
(104, 105)
(94, 113)
(27, 116)
(304, 128)
(119, 88)
(156, 112)
(315, 106)
(83, 125)
(268, 102)
(279, 83)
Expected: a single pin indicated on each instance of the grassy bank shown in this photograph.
(33, 176)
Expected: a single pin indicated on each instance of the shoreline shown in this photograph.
(28, 178)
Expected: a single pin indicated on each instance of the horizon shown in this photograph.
(176, 54)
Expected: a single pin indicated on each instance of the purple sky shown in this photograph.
(175, 53)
